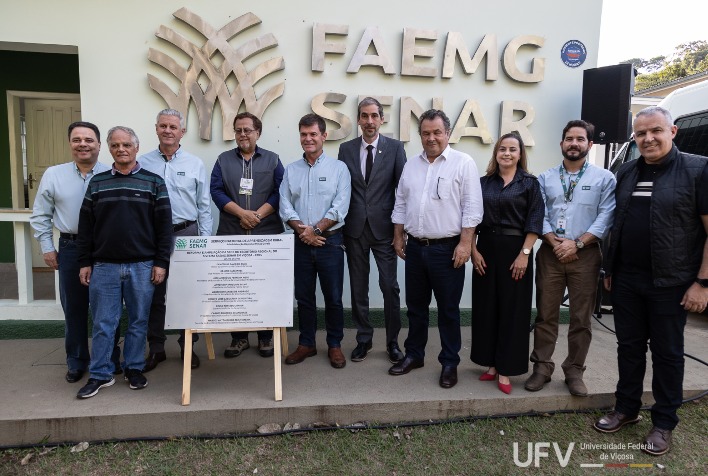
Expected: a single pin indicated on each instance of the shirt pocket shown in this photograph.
(442, 188)
(326, 186)
(586, 196)
(185, 183)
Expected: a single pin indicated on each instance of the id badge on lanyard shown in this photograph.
(246, 186)
(561, 224)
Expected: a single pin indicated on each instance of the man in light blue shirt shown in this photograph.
(580, 204)
(314, 200)
(187, 186)
(59, 197)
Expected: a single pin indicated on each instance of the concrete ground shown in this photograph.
(237, 395)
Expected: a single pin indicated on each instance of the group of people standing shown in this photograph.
(433, 211)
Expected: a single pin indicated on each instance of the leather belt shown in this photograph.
(182, 226)
(499, 230)
(68, 236)
(327, 234)
(434, 241)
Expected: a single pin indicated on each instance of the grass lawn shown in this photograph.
(480, 447)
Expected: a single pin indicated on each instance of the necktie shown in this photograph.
(369, 162)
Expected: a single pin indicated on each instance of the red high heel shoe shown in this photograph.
(487, 377)
(504, 387)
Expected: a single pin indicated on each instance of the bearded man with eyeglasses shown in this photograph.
(245, 185)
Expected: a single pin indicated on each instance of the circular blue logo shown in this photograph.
(573, 53)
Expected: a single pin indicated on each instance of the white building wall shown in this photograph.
(113, 40)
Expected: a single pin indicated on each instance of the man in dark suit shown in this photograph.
(375, 164)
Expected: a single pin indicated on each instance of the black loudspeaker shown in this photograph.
(607, 97)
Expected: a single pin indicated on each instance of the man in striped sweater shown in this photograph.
(125, 239)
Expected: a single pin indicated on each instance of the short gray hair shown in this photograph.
(651, 110)
(172, 112)
(430, 115)
(127, 130)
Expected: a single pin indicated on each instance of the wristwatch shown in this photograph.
(526, 251)
(579, 243)
(703, 282)
(317, 231)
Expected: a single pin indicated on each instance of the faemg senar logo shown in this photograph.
(573, 53)
(180, 243)
(198, 242)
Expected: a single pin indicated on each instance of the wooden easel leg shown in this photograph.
(187, 371)
(277, 333)
(284, 340)
(209, 345)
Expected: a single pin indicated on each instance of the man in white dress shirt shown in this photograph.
(438, 205)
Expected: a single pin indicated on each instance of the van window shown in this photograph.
(692, 135)
(627, 153)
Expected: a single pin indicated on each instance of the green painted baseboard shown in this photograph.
(15, 329)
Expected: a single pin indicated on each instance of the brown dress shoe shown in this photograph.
(536, 382)
(153, 359)
(405, 366)
(613, 421)
(657, 442)
(301, 353)
(576, 386)
(336, 358)
(448, 376)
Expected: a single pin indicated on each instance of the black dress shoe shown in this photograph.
(73, 376)
(614, 421)
(448, 376)
(153, 359)
(195, 359)
(405, 366)
(394, 352)
(360, 351)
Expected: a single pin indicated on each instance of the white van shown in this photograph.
(689, 108)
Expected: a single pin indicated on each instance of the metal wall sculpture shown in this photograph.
(217, 41)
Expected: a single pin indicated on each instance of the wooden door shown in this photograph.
(47, 121)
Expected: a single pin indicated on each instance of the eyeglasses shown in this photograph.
(247, 132)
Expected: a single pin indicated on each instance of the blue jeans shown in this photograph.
(429, 270)
(644, 313)
(74, 298)
(111, 284)
(327, 262)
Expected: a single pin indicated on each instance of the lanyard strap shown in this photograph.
(246, 170)
(568, 190)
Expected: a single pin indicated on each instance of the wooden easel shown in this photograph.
(280, 346)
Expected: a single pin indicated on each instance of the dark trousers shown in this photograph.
(552, 277)
(430, 271)
(327, 262)
(501, 307)
(74, 298)
(156, 322)
(262, 335)
(644, 312)
(358, 252)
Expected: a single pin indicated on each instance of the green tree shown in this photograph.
(687, 59)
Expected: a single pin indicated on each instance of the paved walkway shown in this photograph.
(237, 395)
